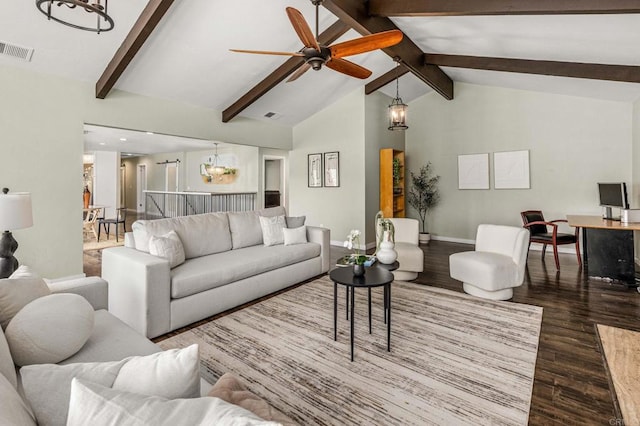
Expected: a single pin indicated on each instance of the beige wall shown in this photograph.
(339, 127)
(573, 142)
(41, 134)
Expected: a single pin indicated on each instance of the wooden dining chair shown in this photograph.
(89, 222)
(534, 221)
(121, 217)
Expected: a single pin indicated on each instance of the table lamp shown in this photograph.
(15, 213)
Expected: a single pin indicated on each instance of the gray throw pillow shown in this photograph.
(295, 221)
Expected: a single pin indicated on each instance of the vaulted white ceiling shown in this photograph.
(187, 58)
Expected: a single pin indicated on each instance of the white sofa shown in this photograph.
(226, 265)
(42, 395)
(111, 339)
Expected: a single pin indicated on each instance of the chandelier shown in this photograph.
(54, 11)
(213, 168)
(397, 109)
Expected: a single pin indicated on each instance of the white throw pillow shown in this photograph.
(13, 410)
(168, 247)
(17, 293)
(272, 230)
(47, 387)
(96, 405)
(170, 374)
(50, 329)
(295, 235)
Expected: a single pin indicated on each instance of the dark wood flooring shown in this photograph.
(571, 385)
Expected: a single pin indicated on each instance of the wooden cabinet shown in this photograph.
(392, 189)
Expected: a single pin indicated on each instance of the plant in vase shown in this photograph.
(353, 243)
(423, 196)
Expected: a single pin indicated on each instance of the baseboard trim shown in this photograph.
(534, 246)
(452, 239)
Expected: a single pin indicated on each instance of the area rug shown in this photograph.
(621, 352)
(454, 360)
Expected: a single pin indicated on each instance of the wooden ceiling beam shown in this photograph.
(626, 73)
(499, 7)
(385, 79)
(355, 14)
(327, 37)
(142, 29)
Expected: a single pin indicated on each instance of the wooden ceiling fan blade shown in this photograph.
(302, 28)
(348, 68)
(366, 43)
(304, 68)
(267, 52)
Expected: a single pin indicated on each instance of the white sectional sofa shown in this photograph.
(113, 357)
(226, 265)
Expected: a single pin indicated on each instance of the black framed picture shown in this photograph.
(331, 169)
(314, 170)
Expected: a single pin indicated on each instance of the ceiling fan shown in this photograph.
(315, 55)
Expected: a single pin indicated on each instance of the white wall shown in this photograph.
(377, 137)
(41, 136)
(635, 196)
(339, 127)
(573, 142)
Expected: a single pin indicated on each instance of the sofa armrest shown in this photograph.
(322, 236)
(129, 241)
(139, 289)
(94, 289)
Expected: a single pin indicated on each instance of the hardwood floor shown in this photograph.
(571, 386)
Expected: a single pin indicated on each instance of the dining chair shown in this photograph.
(121, 217)
(89, 222)
(534, 221)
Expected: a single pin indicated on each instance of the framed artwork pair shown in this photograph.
(510, 170)
(323, 170)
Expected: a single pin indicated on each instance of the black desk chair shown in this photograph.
(121, 217)
(534, 221)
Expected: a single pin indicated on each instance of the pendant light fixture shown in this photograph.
(397, 109)
(213, 168)
(54, 11)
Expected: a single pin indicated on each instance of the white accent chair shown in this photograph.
(410, 256)
(497, 264)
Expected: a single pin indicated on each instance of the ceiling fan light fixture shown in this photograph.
(50, 9)
(398, 111)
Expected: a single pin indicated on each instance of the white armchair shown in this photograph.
(410, 256)
(497, 264)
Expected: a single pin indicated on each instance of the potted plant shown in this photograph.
(423, 196)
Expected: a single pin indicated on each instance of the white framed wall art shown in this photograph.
(473, 171)
(511, 170)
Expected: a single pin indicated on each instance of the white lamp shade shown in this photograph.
(15, 211)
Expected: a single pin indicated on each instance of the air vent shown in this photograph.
(273, 115)
(16, 51)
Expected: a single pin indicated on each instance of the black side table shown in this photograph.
(374, 277)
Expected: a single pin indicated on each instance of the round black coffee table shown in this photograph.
(373, 277)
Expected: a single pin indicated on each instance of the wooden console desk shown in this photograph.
(608, 249)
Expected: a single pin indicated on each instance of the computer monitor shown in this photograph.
(613, 195)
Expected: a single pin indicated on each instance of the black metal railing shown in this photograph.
(173, 204)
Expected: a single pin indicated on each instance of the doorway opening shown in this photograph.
(274, 181)
(141, 185)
